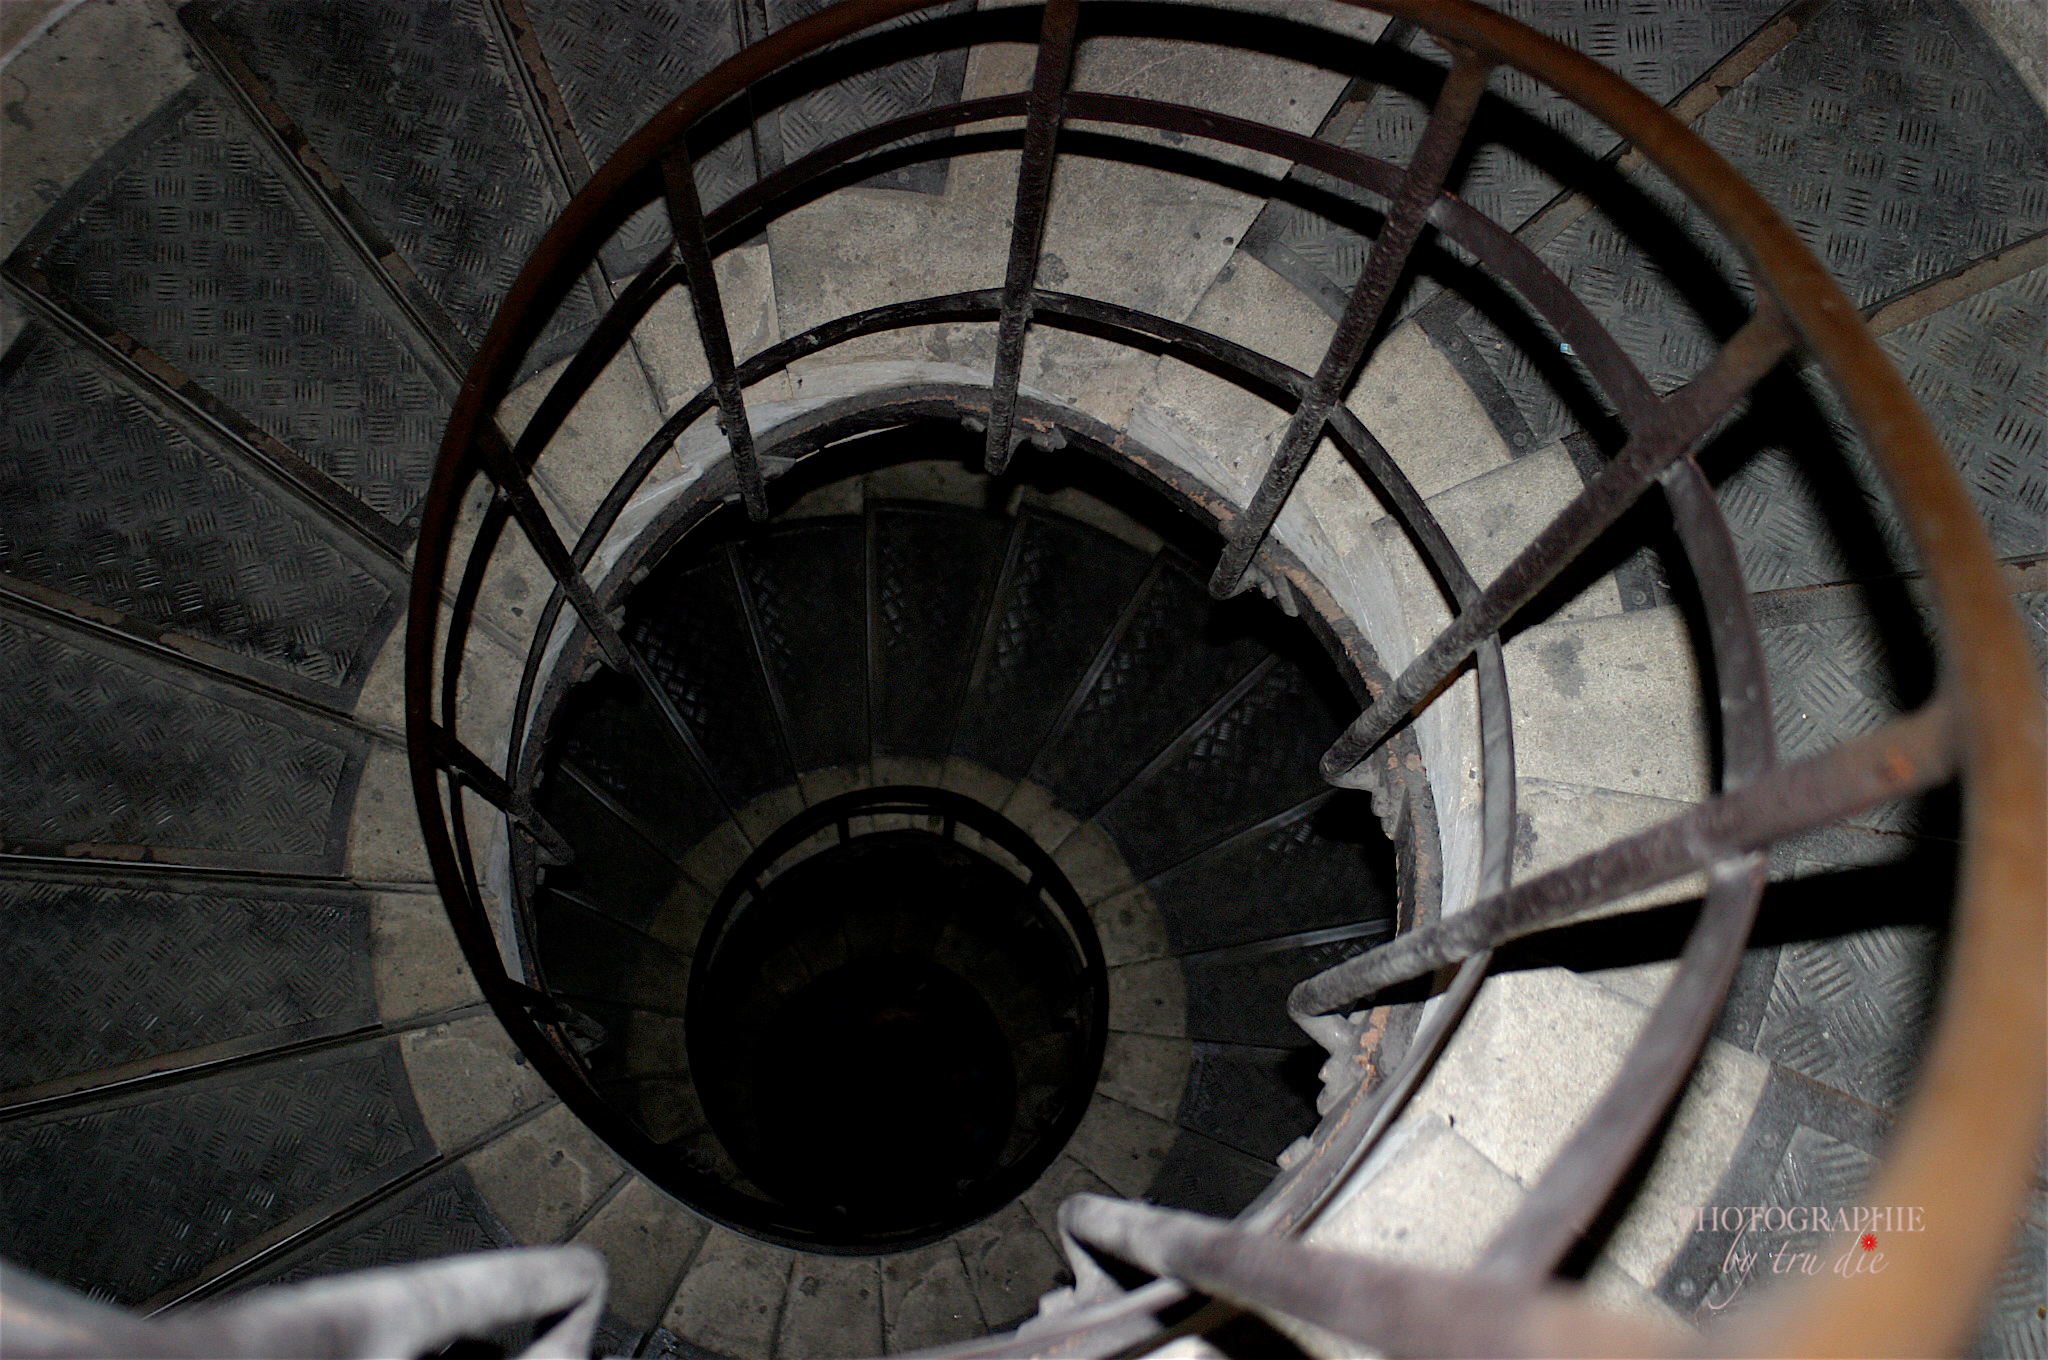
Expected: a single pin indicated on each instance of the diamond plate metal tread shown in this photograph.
(1257, 758)
(1203, 1176)
(691, 627)
(583, 954)
(1850, 1012)
(614, 865)
(1980, 371)
(127, 1201)
(1239, 995)
(1329, 865)
(440, 1216)
(1891, 134)
(871, 97)
(200, 251)
(105, 502)
(1257, 1100)
(1527, 136)
(2013, 1322)
(609, 731)
(805, 579)
(1066, 585)
(1977, 370)
(129, 973)
(616, 63)
(933, 568)
(1181, 652)
(104, 754)
(418, 111)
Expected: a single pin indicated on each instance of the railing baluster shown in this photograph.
(693, 249)
(1406, 217)
(1056, 36)
(1904, 757)
(1681, 421)
(510, 479)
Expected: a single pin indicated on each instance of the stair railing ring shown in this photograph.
(1965, 1146)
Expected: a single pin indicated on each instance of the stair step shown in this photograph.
(1322, 864)
(1252, 760)
(1177, 655)
(933, 568)
(690, 626)
(804, 579)
(646, 1237)
(927, 1300)
(833, 1310)
(540, 1177)
(731, 1299)
(1065, 584)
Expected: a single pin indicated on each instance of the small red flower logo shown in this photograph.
(1870, 1241)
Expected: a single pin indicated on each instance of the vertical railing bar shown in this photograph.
(533, 521)
(1406, 217)
(686, 221)
(750, 610)
(1056, 40)
(1680, 423)
(1566, 1199)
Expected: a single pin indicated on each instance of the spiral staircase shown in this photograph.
(260, 1028)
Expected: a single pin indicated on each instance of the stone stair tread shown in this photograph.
(646, 1236)
(731, 1299)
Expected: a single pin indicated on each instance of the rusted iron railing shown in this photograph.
(1964, 1148)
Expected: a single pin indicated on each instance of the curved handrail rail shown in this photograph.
(1983, 1085)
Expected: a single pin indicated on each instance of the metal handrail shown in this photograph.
(1982, 1091)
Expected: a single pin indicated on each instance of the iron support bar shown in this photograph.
(1406, 218)
(1056, 38)
(686, 220)
(533, 520)
(1383, 1308)
(1681, 421)
(1905, 756)
(472, 770)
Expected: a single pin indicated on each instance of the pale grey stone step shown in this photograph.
(1130, 927)
(85, 83)
(1556, 823)
(1064, 1178)
(541, 1176)
(926, 1299)
(1122, 1145)
(595, 442)
(667, 337)
(1433, 1199)
(834, 1309)
(467, 1078)
(647, 1238)
(417, 966)
(1148, 998)
(1147, 1072)
(1613, 703)
(731, 1300)
(1009, 1264)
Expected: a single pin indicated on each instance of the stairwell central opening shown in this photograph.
(990, 849)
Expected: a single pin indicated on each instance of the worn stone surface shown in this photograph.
(419, 968)
(1131, 928)
(1009, 1264)
(647, 1238)
(384, 841)
(467, 1078)
(667, 338)
(1612, 703)
(599, 436)
(1435, 1201)
(1148, 998)
(1492, 517)
(834, 1309)
(541, 1176)
(1124, 1146)
(1146, 1072)
(1062, 1180)
(731, 1301)
(74, 93)
(926, 1299)
(1556, 823)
